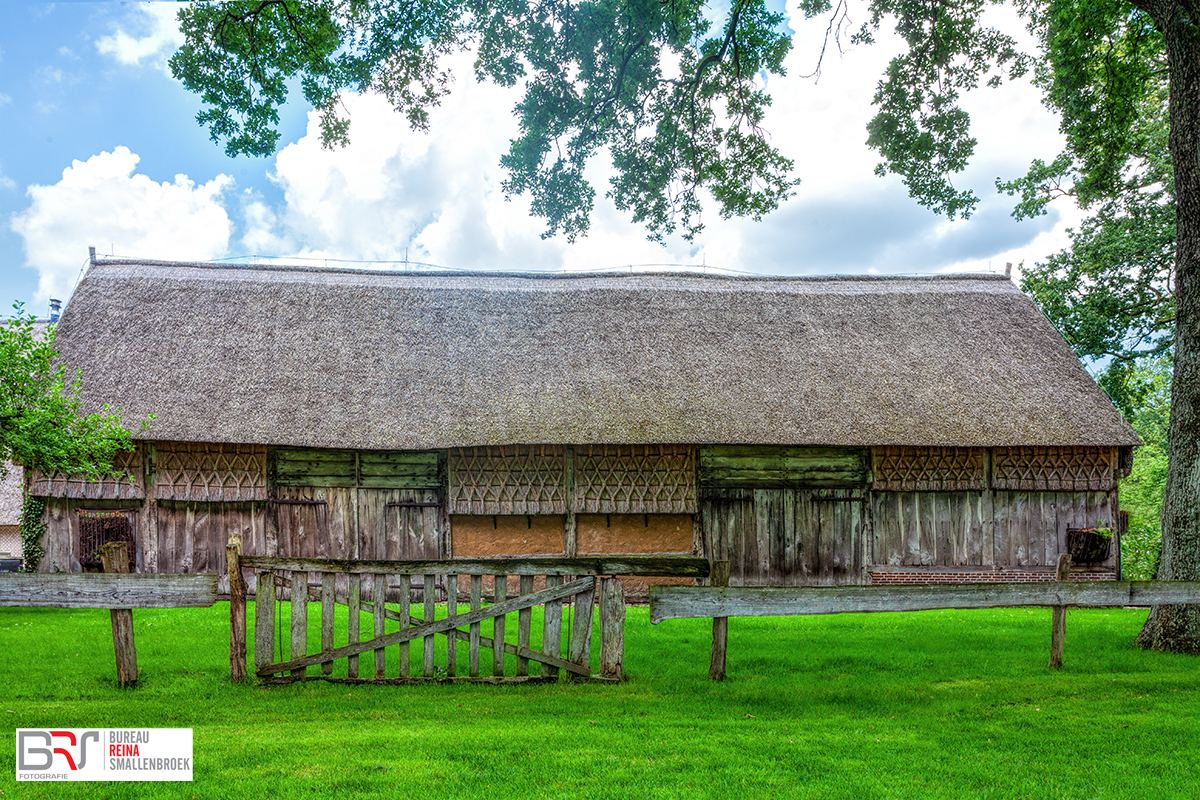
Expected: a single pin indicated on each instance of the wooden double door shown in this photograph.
(785, 536)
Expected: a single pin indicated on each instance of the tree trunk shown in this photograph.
(1177, 628)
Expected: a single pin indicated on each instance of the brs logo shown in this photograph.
(28, 755)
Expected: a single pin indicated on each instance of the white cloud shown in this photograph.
(103, 202)
(436, 197)
(155, 35)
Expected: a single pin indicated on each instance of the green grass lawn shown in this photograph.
(934, 704)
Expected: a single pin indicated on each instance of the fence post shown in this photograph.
(1058, 625)
(716, 668)
(612, 627)
(237, 609)
(115, 558)
(264, 620)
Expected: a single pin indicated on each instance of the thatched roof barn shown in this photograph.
(827, 430)
(405, 361)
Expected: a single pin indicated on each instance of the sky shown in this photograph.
(99, 146)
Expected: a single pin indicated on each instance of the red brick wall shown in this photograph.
(894, 577)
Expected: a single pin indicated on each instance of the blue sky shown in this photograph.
(99, 146)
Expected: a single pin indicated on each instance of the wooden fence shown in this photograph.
(385, 589)
(115, 589)
(721, 602)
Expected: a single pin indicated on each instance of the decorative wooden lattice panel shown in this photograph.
(514, 479)
(129, 484)
(1052, 468)
(211, 472)
(635, 479)
(927, 469)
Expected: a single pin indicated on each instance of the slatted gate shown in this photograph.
(455, 600)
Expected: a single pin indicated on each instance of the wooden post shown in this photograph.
(264, 620)
(552, 627)
(716, 668)
(524, 623)
(354, 612)
(328, 580)
(237, 609)
(500, 595)
(581, 630)
(612, 627)
(1058, 626)
(115, 558)
(299, 615)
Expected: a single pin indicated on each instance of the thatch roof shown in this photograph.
(404, 360)
(11, 495)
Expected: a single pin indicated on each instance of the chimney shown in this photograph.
(55, 309)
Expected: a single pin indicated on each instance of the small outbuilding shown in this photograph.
(833, 430)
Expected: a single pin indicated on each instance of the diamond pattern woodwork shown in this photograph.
(130, 485)
(515, 479)
(635, 479)
(927, 469)
(1053, 468)
(211, 472)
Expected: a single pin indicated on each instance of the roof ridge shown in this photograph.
(535, 275)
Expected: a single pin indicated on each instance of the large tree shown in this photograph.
(679, 103)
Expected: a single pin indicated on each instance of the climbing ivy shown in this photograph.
(32, 530)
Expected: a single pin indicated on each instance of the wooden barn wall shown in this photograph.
(930, 529)
(754, 466)
(1031, 527)
(785, 536)
(634, 479)
(128, 484)
(192, 536)
(210, 472)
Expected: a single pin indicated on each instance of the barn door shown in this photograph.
(400, 524)
(785, 537)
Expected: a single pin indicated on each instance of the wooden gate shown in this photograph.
(455, 601)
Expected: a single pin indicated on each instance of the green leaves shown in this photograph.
(920, 131)
(679, 110)
(40, 420)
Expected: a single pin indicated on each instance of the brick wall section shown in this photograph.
(909, 578)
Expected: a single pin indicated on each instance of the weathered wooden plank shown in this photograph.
(354, 613)
(427, 666)
(648, 566)
(524, 621)
(612, 628)
(1058, 625)
(115, 557)
(720, 629)
(100, 590)
(473, 647)
(442, 625)
(486, 679)
(581, 629)
(677, 602)
(765, 467)
(327, 581)
(403, 618)
(264, 620)
(551, 627)
(501, 594)
(299, 612)
(451, 610)
(379, 595)
(237, 610)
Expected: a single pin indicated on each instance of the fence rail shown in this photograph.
(651, 566)
(678, 602)
(720, 601)
(107, 590)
